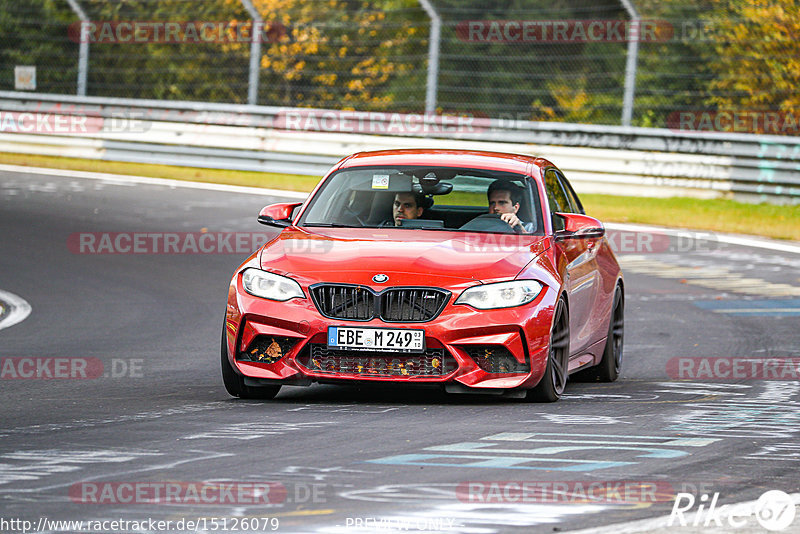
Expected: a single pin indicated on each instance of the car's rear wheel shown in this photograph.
(552, 384)
(610, 366)
(234, 382)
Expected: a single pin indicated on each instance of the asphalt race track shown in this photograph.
(111, 392)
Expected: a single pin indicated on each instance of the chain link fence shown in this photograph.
(723, 65)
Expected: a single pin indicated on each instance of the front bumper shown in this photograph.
(284, 342)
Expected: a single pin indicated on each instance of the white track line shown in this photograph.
(746, 241)
(19, 309)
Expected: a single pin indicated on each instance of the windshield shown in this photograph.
(426, 198)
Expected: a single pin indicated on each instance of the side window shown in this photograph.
(575, 203)
(556, 198)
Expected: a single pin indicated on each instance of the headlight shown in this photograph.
(502, 295)
(270, 286)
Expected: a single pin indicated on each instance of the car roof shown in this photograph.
(479, 159)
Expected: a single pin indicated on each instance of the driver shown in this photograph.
(407, 206)
(505, 198)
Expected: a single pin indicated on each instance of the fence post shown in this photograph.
(630, 62)
(83, 50)
(433, 57)
(255, 52)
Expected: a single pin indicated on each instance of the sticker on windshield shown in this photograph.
(380, 181)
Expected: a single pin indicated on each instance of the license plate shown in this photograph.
(393, 339)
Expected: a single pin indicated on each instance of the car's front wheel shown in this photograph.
(234, 382)
(552, 384)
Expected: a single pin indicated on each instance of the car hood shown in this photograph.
(408, 257)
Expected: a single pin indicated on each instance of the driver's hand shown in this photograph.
(511, 219)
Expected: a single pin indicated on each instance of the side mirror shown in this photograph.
(577, 226)
(278, 215)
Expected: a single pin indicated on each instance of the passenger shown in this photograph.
(407, 206)
(505, 198)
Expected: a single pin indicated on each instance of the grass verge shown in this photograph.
(719, 215)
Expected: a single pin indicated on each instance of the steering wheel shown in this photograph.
(491, 222)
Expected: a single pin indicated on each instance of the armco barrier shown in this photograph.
(633, 161)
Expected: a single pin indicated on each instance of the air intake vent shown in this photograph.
(320, 359)
(496, 359)
(392, 305)
(356, 303)
(411, 305)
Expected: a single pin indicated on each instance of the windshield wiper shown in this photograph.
(330, 225)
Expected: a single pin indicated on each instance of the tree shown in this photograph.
(552, 80)
(755, 55)
(34, 33)
(673, 72)
(186, 69)
(341, 53)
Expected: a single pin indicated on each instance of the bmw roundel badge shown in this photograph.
(380, 278)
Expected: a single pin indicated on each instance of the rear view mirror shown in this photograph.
(278, 215)
(577, 226)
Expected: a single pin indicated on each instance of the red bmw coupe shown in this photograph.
(474, 271)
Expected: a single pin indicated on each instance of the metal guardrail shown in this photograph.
(619, 160)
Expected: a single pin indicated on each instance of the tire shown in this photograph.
(552, 384)
(234, 382)
(610, 365)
